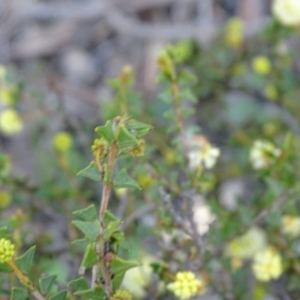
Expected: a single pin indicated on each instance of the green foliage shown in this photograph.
(24, 262)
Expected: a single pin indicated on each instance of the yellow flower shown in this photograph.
(287, 12)
(100, 148)
(267, 265)
(186, 285)
(121, 295)
(248, 245)
(261, 65)
(202, 153)
(145, 181)
(62, 141)
(271, 92)
(5, 199)
(10, 122)
(7, 250)
(6, 96)
(137, 279)
(138, 150)
(234, 32)
(291, 225)
(263, 154)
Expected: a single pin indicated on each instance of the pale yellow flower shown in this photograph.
(234, 32)
(186, 285)
(267, 265)
(263, 154)
(247, 245)
(291, 225)
(261, 65)
(202, 153)
(6, 96)
(62, 141)
(10, 122)
(137, 279)
(287, 12)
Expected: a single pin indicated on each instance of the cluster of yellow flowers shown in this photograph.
(266, 260)
(62, 141)
(263, 154)
(7, 250)
(261, 65)
(234, 32)
(287, 12)
(10, 121)
(202, 153)
(186, 285)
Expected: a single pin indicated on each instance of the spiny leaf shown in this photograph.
(123, 180)
(91, 172)
(106, 132)
(90, 229)
(139, 128)
(125, 138)
(46, 284)
(19, 294)
(78, 284)
(87, 214)
(59, 296)
(24, 261)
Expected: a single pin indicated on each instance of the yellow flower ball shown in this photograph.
(62, 141)
(186, 285)
(5, 199)
(261, 65)
(267, 265)
(7, 250)
(287, 12)
(10, 122)
(291, 225)
(234, 32)
(6, 96)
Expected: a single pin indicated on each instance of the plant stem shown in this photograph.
(107, 186)
(26, 281)
(177, 106)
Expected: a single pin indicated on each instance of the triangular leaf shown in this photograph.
(19, 294)
(78, 284)
(59, 296)
(90, 257)
(87, 214)
(138, 128)
(91, 172)
(90, 229)
(111, 228)
(125, 138)
(46, 284)
(24, 261)
(96, 293)
(120, 265)
(109, 217)
(123, 180)
(81, 244)
(106, 132)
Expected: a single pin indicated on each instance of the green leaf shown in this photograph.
(186, 77)
(120, 265)
(125, 138)
(81, 244)
(24, 261)
(78, 284)
(59, 296)
(90, 257)
(90, 229)
(123, 180)
(109, 217)
(19, 294)
(119, 268)
(96, 293)
(138, 128)
(106, 132)
(91, 172)
(87, 214)
(46, 284)
(111, 228)
(187, 94)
